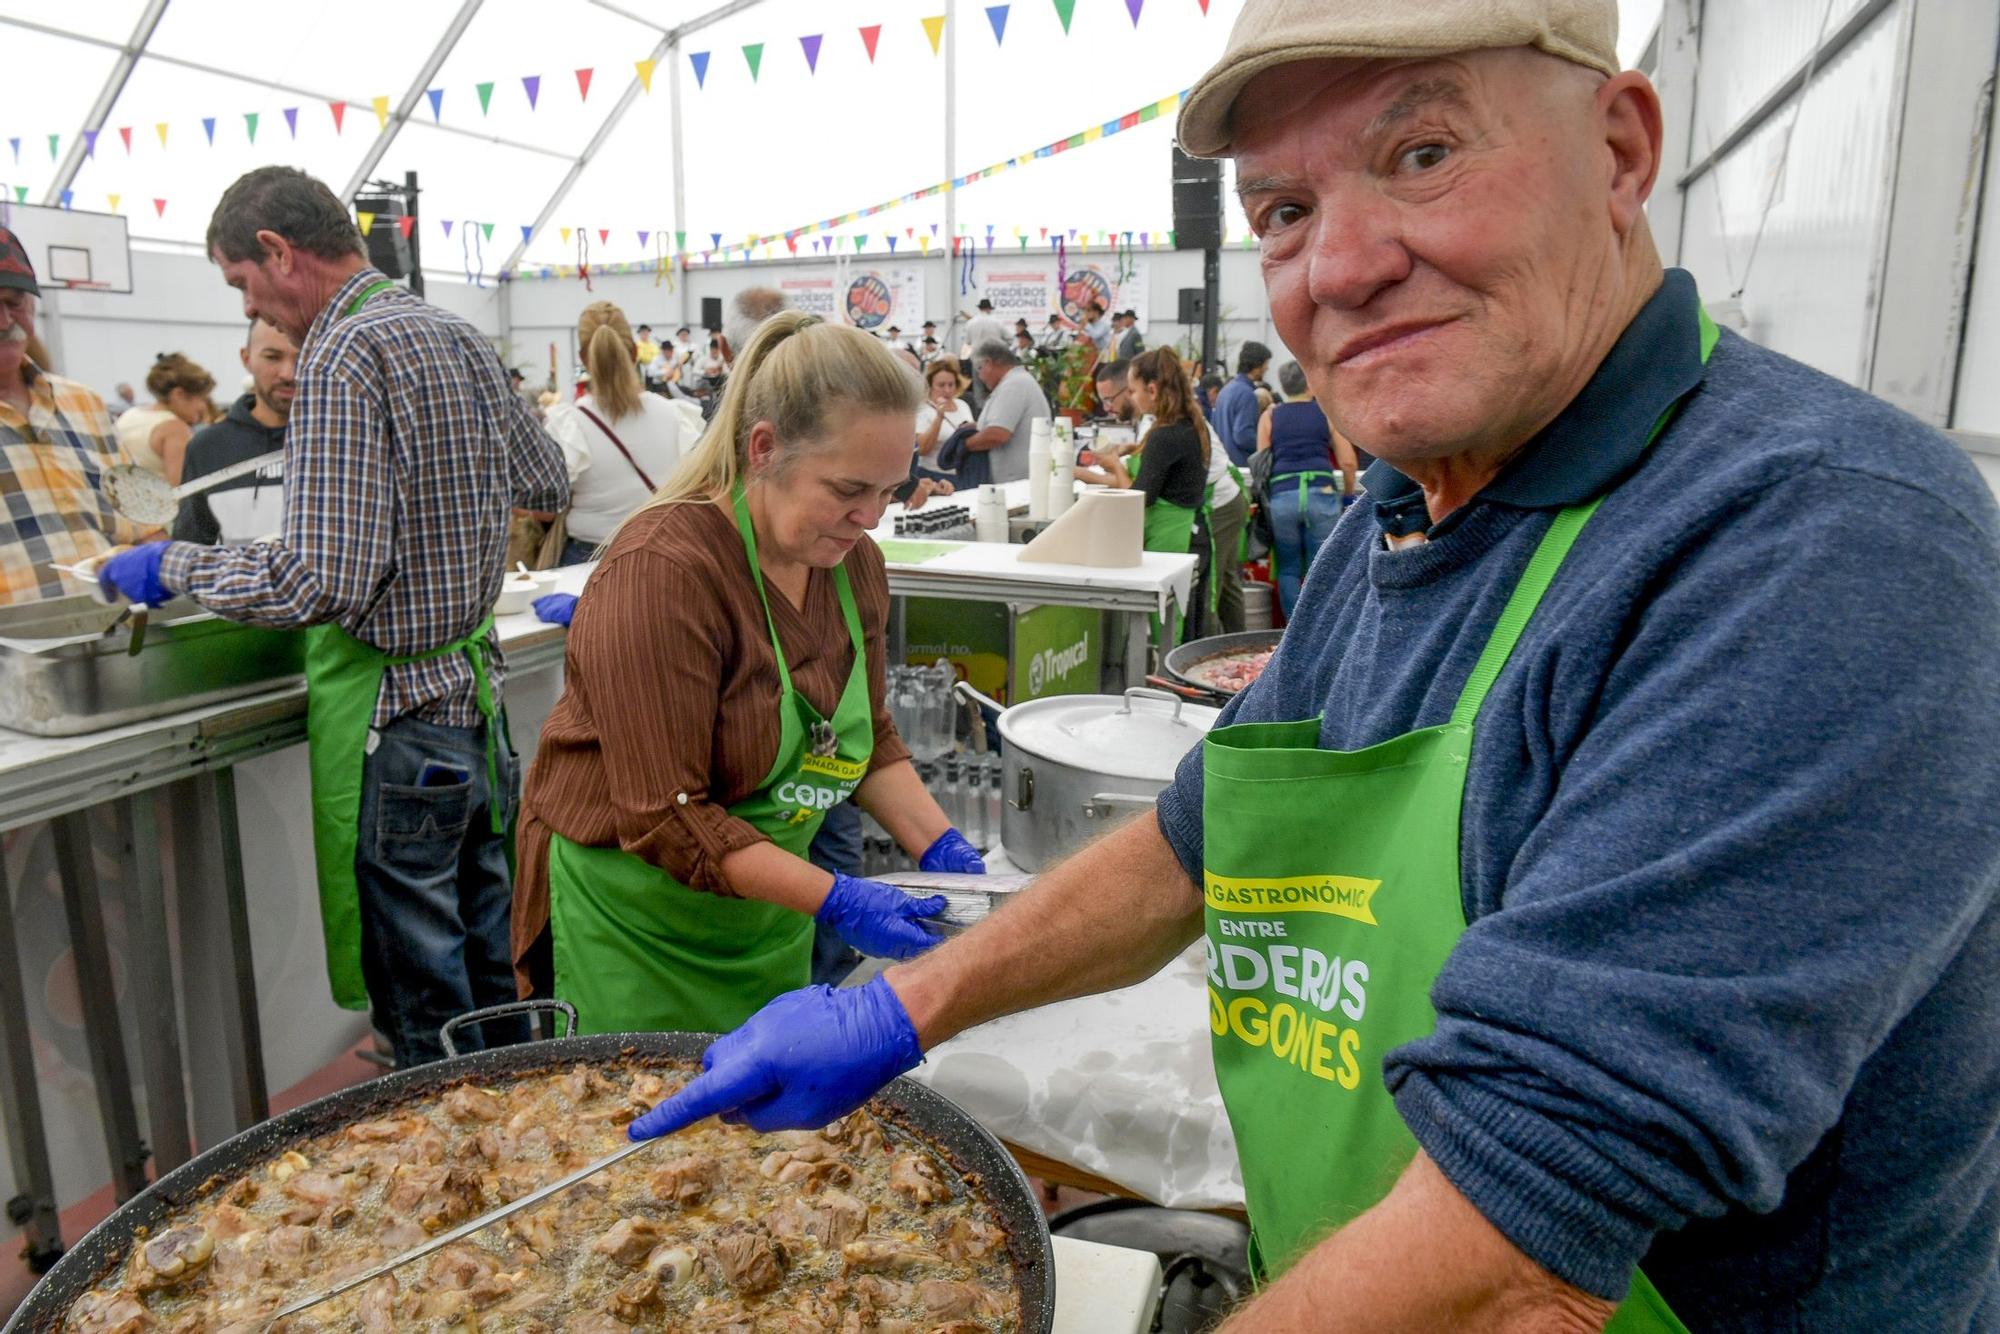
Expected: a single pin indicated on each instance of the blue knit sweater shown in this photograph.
(1729, 1000)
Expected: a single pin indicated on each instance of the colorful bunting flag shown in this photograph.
(934, 29)
(715, 240)
(436, 95)
(161, 130)
(114, 201)
(381, 113)
(533, 84)
(642, 239)
(997, 16)
(1066, 10)
(681, 242)
(159, 208)
(699, 59)
(869, 36)
(67, 195)
(754, 53)
(20, 194)
(583, 84)
(15, 144)
(527, 232)
(1133, 7)
(811, 47)
(292, 120)
(250, 124)
(125, 133)
(406, 224)
(565, 234)
(485, 91)
(208, 128)
(486, 230)
(446, 224)
(646, 68)
(366, 221)
(54, 139)
(339, 110)
(604, 236)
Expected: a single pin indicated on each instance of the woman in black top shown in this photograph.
(1173, 460)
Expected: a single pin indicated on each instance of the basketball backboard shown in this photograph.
(72, 249)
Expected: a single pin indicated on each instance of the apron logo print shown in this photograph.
(1341, 895)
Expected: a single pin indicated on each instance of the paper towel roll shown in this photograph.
(1106, 529)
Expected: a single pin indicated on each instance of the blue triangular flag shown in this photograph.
(526, 231)
(700, 61)
(716, 239)
(67, 195)
(208, 127)
(436, 95)
(997, 16)
(15, 144)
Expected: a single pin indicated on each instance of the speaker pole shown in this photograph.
(1211, 298)
(416, 246)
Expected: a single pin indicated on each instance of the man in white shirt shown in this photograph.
(985, 328)
(1013, 402)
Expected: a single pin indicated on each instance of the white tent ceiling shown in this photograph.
(790, 147)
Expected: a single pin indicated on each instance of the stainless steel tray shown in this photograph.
(61, 675)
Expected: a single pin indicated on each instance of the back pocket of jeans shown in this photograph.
(422, 825)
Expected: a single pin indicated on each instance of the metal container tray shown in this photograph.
(61, 674)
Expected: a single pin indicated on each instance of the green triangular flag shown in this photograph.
(1064, 10)
(485, 97)
(250, 119)
(1174, 239)
(54, 139)
(680, 240)
(754, 53)
(487, 227)
(20, 194)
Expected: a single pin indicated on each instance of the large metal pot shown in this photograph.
(983, 1165)
(1071, 763)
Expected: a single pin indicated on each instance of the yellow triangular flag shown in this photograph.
(934, 29)
(1083, 243)
(114, 201)
(924, 244)
(162, 128)
(367, 222)
(565, 235)
(1093, 134)
(646, 68)
(381, 113)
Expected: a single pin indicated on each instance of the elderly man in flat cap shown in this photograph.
(55, 443)
(1599, 885)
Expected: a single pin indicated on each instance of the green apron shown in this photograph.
(343, 681)
(638, 951)
(1322, 946)
(1305, 485)
(1169, 528)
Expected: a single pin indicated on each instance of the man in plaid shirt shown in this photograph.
(55, 443)
(405, 457)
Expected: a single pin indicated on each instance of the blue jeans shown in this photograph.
(575, 552)
(435, 886)
(1298, 531)
(836, 847)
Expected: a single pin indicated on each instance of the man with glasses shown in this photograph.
(55, 443)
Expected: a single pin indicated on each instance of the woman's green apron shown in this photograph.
(343, 681)
(1170, 528)
(1322, 946)
(636, 950)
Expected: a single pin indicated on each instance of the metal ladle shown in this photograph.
(144, 497)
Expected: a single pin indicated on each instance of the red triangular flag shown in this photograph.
(159, 208)
(125, 133)
(583, 84)
(869, 36)
(604, 236)
(404, 224)
(339, 110)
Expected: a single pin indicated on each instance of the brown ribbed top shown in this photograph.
(670, 687)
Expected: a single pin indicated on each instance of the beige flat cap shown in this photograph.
(1277, 32)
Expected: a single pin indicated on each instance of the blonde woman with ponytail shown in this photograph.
(723, 691)
(618, 441)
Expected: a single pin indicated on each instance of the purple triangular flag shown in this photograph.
(1133, 7)
(90, 143)
(436, 95)
(533, 83)
(642, 239)
(811, 45)
(447, 226)
(292, 120)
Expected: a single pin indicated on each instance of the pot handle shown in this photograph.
(1147, 692)
(1024, 789)
(536, 1006)
(1104, 805)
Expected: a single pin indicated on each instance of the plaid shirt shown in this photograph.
(52, 507)
(404, 458)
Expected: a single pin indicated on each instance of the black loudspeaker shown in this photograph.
(1191, 311)
(711, 312)
(388, 248)
(1197, 202)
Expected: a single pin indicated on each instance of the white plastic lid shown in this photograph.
(1143, 736)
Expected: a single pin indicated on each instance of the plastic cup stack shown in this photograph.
(989, 520)
(1040, 439)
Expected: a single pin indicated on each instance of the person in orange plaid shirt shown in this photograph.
(55, 443)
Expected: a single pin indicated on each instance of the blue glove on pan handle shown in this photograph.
(879, 919)
(554, 608)
(804, 1061)
(951, 852)
(135, 576)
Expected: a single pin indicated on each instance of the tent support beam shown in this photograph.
(446, 42)
(107, 97)
(243, 76)
(666, 49)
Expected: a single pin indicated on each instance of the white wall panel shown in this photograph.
(1747, 48)
(1809, 291)
(1978, 405)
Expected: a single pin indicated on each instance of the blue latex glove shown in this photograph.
(804, 1061)
(878, 919)
(555, 608)
(135, 575)
(952, 853)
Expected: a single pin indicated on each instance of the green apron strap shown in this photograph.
(474, 647)
(748, 532)
(363, 297)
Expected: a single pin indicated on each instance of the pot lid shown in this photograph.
(1141, 734)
